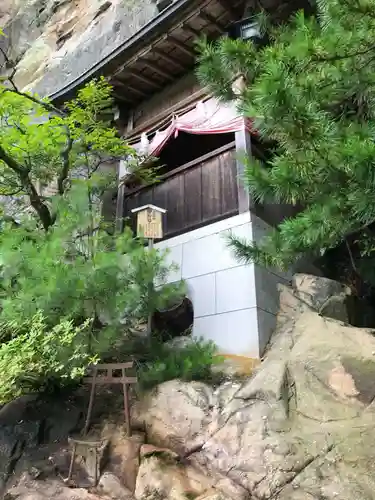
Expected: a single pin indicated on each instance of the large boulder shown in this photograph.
(112, 486)
(302, 428)
(176, 415)
(123, 454)
(161, 476)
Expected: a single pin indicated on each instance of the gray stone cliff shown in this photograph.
(54, 42)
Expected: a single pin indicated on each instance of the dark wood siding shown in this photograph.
(198, 193)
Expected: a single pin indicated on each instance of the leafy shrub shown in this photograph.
(37, 356)
(76, 273)
(192, 362)
(69, 284)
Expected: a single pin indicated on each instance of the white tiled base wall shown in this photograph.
(234, 304)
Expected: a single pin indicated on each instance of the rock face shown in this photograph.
(30, 489)
(27, 426)
(54, 41)
(301, 428)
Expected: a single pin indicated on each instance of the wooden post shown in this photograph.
(120, 209)
(91, 404)
(126, 405)
(110, 377)
(149, 226)
(243, 147)
(150, 293)
(121, 188)
(72, 459)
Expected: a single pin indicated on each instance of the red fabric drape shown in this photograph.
(209, 117)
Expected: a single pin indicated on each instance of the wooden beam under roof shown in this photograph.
(191, 30)
(123, 85)
(139, 76)
(234, 11)
(187, 50)
(155, 122)
(169, 59)
(210, 20)
(154, 67)
(133, 60)
(119, 97)
(136, 90)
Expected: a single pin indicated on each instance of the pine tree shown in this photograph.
(310, 91)
(70, 290)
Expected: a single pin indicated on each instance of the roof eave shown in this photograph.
(150, 30)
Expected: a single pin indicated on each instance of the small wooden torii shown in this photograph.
(102, 374)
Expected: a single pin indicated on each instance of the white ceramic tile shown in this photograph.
(174, 258)
(235, 289)
(201, 291)
(206, 255)
(210, 254)
(260, 229)
(233, 333)
(202, 232)
(243, 232)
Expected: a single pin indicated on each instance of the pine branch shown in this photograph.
(247, 253)
(11, 162)
(12, 193)
(338, 57)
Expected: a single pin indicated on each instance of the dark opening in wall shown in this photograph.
(188, 147)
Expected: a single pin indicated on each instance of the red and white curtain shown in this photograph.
(208, 117)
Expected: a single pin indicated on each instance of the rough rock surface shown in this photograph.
(301, 428)
(111, 485)
(30, 489)
(124, 455)
(27, 424)
(161, 475)
(54, 41)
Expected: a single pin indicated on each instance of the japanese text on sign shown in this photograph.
(149, 224)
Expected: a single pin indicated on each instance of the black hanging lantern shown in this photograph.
(247, 29)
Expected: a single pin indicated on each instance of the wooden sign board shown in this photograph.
(149, 222)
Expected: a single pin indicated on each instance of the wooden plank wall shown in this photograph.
(168, 97)
(195, 195)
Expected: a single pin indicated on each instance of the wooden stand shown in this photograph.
(101, 375)
(87, 446)
(108, 378)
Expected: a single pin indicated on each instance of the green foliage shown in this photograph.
(41, 145)
(191, 362)
(38, 355)
(76, 272)
(89, 286)
(311, 93)
(68, 288)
